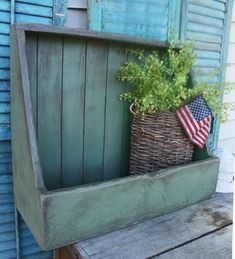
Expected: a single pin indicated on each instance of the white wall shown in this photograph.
(227, 130)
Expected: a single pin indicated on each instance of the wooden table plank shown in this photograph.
(163, 233)
(215, 245)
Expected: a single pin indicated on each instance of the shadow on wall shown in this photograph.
(226, 172)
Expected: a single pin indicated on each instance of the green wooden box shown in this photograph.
(70, 139)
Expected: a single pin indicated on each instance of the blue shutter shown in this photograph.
(34, 11)
(7, 214)
(149, 18)
(16, 241)
(207, 23)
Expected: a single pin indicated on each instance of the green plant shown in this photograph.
(161, 82)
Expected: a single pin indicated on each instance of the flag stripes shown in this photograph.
(197, 130)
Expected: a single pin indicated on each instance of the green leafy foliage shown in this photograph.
(161, 82)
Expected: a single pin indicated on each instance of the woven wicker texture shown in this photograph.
(158, 141)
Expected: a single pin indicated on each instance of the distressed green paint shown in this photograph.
(114, 112)
(32, 59)
(95, 91)
(65, 215)
(96, 209)
(81, 107)
(27, 173)
(74, 60)
(49, 108)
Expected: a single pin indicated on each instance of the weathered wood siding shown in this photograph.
(227, 132)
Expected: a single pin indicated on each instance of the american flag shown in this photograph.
(195, 118)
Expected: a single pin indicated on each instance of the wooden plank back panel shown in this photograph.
(74, 61)
(83, 128)
(96, 71)
(49, 108)
(112, 167)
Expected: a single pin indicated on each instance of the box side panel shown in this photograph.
(91, 210)
(27, 198)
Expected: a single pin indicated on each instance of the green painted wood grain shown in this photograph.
(73, 111)
(126, 139)
(114, 129)
(24, 148)
(96, 72)
(32, 58)
(49, 108)
(95, 209)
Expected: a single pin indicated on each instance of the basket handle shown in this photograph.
(131, 109)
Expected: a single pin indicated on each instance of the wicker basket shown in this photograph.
(158, 141)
